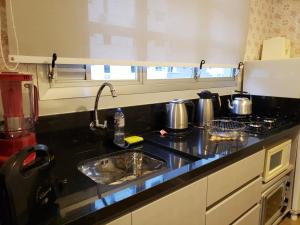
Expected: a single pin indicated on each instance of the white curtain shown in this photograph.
(151, 31)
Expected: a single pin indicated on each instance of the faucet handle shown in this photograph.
(96, 124)
(104, 125)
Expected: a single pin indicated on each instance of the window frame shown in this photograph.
(56, 83)
(60, 89)
(183, 80)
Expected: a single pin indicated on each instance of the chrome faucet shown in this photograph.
(95, 123)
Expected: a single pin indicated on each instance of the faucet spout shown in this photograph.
(113, 93)
(95, 123)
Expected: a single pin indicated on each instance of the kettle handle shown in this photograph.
(189, 102)
(220, 102)
(230, 106)
(217, 96)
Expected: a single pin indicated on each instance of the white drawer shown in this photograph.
(184, 206)
(225, 181)
(235, 205)
(250, 218)
(124, 220)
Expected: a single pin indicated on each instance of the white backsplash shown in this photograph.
(278, 78)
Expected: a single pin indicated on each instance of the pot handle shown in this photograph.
(229, 104)
(241, 92)
(36, 103)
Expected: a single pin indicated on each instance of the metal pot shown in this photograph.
(241, 106)
(177, 115)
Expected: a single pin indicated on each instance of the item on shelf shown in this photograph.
(276, 48)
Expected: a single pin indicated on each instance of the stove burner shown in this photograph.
(259, 125)
(255, 125)
(178, 134)
(269, 120)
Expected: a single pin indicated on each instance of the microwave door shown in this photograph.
(273, 202)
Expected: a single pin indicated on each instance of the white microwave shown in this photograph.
(277, 160)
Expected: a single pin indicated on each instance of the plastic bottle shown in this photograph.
(119, 121)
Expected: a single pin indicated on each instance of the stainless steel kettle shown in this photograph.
(177, 115)
(205, 109)
(241, 106)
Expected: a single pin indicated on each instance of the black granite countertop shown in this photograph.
(189, 159)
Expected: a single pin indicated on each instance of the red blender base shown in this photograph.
(8, 147)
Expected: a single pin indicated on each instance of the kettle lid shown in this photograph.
(177, 101)
(205, 94)
(242, 99)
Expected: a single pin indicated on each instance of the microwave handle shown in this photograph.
(263, 209)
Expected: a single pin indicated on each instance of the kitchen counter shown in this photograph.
(78, 202)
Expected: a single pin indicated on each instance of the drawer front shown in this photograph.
(225, 181)
(235, 205)
(184, 206)
(250, 218)
(124, 220)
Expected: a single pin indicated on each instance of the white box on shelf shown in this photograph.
(276, 48)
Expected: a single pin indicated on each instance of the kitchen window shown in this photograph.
(114, 73)
(90, 75)
(170, 72)
(215, 72)
(77, 81)
(107, 72)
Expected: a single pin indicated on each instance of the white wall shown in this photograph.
(280, 78)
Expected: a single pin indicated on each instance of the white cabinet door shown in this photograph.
(124, 220)
(184, 206)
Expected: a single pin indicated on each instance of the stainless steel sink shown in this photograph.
(121, 167)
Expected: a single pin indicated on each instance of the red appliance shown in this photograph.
(18, 113)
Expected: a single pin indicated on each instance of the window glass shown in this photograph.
(170, 72)
(107, 72)
(214, 72)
